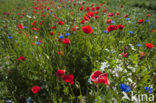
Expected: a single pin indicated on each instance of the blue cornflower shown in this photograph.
(29, 100)
(125, 87)
(135, 27)
(127, 19)
(36, 32)
(9, 37)
(67, 34)
(92, 27)
(148, 89)
(152, 26)
(139, 45)
(25, 27)
(147, 20)
(105, 31)
(131, 32)
(113, 21)
(38, 43)
(61, 37)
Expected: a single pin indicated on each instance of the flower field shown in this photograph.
(77, 51)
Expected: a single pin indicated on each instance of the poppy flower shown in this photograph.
(66, 41)
(34, 23)
(108, 21)
(53, 27)
(96, 17)
(90, 14)
(59, 52)
(68, 78)
(21, 58)
(87, 8)
(60, 73)
(120, 26)
(110, 14)
(35, 89)
(20, 26)
(35, 28)
(92, 5)
(97, 8)
(154, 77)
(126, 15)
(111, 28)
(99, 77)
(51, 33)
(93, 9)
(148, 15)
(60, 23)
(149, 45)
(81, 8)
(82, 21)
(83, 2)
(121, 6)
(117, 13)
(86, 18)
(140, 21)
(96, 12)
(123, 54)
(87, 29)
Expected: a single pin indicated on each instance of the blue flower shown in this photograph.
(38, 43)
(147, 20)
(125, 87)
(67, 34)
(148, 89)
(29, 100)
(92, 27)
(9, 37)
(131, 32)
(105, 31)
(152, 26)
(25, 27)
(113, 21)
(139, 45)
(61, 37)
(127, 19)
(135, 27)
(36, 32)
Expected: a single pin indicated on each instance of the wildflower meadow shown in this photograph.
(77, 51)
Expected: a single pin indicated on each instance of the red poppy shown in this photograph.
(34, 23)
(154, 77)
(99, 77)
(93, 9)
(90, 14)
(92, 5)
(60, 23)
(87, 29)
(86, 18)
(96, 17)
(148, 15)
(117, 13)
(51, 33)
(60, 73)
(21, 58)
(83, 2)
(120, 26)
(97, 8)
(35, 89)
(140, 21)
(87, 8)
(53, 27)
(126, 15)
(123, 54)
(20, 26)
(149, 45)
(110, 14)
(96, 12)
(111, 28)
(35, 28)
(82, 21)
(109, 21)
(69, 78)
(66, 41)
(81, 8)
(60, 53)
(121, 6)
